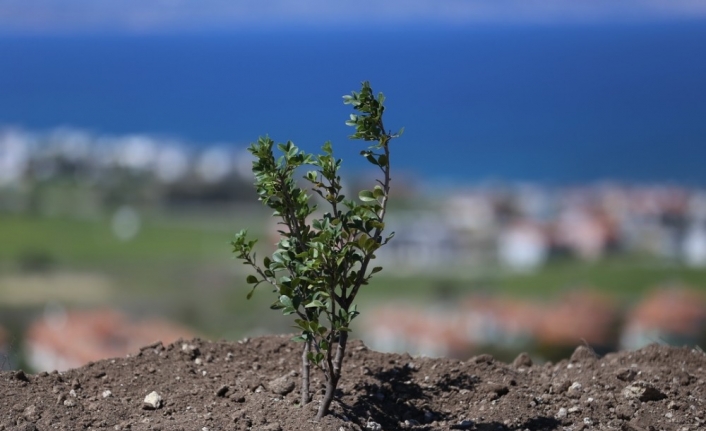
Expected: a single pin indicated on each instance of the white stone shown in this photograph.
(152, 401)
(373, 426)
(107, 393)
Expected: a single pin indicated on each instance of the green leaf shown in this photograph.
(251, 279)
(366, 196)
(362, 240)
(315, 304)
(316, 358)
(376, 269)
(286, 301)
(299, 338)
(376, 224)
(369, 156)
(382, 161)
(371, 245)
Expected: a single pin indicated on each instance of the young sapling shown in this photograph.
(323, 256)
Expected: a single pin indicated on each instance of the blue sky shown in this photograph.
(168, 16)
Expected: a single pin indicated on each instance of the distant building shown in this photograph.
(673, 314)
(6, 362)
(694, 246)
(522, 246)
(498, 320)
(509, 324)
(422, 240)
(68, 339)
(582, 232)
(440, 332)
(14, 156)
(409, 329)
(578, 317)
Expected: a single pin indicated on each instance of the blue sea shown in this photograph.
(552, 104)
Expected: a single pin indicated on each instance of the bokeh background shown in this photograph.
(549, 190)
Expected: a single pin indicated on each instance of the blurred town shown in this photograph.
(510, 229)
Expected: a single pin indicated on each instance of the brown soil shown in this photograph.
(254, 384)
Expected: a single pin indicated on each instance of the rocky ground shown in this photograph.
(254, 385)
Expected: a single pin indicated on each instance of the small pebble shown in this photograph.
(152, 401)
(373, 426)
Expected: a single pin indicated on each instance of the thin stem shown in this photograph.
(330, 341)
(381, 217)
(332, 383)
(306, 395)
(259, 270)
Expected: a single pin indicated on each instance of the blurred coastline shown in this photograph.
(93, 222)
(519, 225)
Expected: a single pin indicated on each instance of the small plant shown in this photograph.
(321, 263)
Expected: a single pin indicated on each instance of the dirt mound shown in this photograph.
(254, 384)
